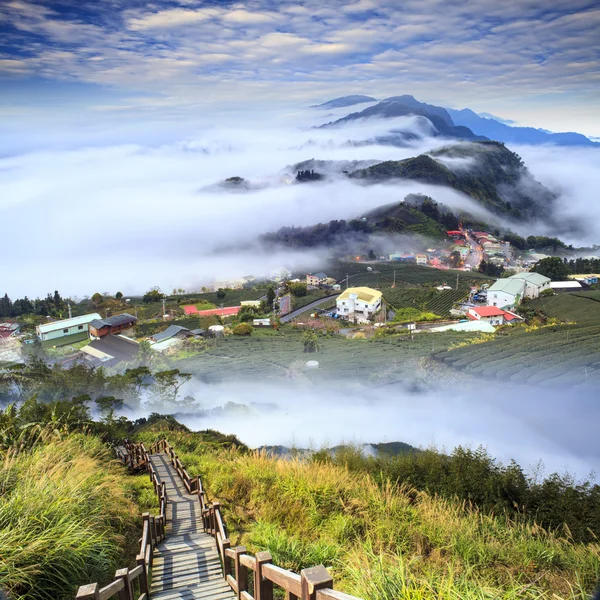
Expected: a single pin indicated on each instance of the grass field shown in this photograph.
(382, 541)
(556, 354)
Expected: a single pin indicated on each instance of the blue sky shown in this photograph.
(533, 61)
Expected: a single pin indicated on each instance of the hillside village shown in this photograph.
(360, 297)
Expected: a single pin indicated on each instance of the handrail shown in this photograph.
(314, 583)
(153, 531)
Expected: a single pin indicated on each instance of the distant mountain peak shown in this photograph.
(346, 101)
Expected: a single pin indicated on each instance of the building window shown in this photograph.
(80, 327)
(65, 331)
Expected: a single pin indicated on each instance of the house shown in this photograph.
(112, 325)
(535, 283)
(506, 293)
(421, 259)
(316, 279)
(66, 331)
(251, 303)
(359, 303)
(110, 350)
(172, 331)
(9, 330)
(492, 315)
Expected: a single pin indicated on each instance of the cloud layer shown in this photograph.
(535, 62)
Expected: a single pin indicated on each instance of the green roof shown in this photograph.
(508, 285)
(534, 278)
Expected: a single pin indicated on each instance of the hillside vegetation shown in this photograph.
(491, 174)
(384, 541)
(67, 517)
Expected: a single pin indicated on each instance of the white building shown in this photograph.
(358, 303)
(67, 331)
(506, 293)
(535, 283)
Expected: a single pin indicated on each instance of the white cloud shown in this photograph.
(174, 17)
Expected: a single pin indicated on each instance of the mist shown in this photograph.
(563, 436)
(120, 209)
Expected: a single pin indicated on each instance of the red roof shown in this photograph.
(219, 312)
(454, 232)
(488, 311)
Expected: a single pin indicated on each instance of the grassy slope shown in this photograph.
(384, 543)
(568, 354)
(68, 516)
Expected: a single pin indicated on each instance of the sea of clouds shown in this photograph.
(109, 206)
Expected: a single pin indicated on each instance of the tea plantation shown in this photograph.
(567, 353)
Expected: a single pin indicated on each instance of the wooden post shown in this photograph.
(91, 591)
(140, 560)
(263, 588)
(213, 528)
(153, 531)
(216, 511)
(313, 579)
(146, 517)
(226, 559)
(127, 592)
(241, 572)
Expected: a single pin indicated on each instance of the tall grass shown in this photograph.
(67, 517)
(384, 542)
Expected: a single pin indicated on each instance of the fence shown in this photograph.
(130, 584)
(250, 577)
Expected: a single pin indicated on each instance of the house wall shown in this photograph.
(501, 299)
(533, 290)
(348, 307)
(64, 332)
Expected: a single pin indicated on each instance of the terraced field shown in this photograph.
(281, 357)
(562, 354)
(407, 275)
(428, 299)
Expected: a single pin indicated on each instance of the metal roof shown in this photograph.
(168, 333)
(534, 278)
(508, 285)
(66, 323)
(364, 294)
(320, 275)
(114, 321)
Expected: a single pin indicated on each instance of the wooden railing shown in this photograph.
(250, 577)
(246, 573)
(132, 584)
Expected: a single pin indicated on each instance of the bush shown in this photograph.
(298, 289)
(242, 329)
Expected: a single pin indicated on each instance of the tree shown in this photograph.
(270, 297)
(552, 267)
(243, 329)
(310, 340)
(169, 383)
(372, 255)
(153, 295)
(144, 353)
(97, 298)
(119, 295)
(455, 259)
(221, 293)
(107, 406)
(298, 289)
(138, 376)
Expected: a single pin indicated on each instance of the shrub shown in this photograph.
(243, 329)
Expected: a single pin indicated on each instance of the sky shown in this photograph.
(77, 60)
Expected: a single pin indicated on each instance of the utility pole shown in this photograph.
(163, 308)
(346, 280)
(457, 276)
(394, 279)
(69, 307)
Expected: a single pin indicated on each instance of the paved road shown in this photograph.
(476, 254)
(299, 311)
